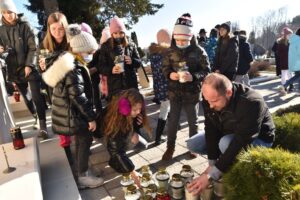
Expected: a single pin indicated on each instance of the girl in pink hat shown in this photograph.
(119, 59)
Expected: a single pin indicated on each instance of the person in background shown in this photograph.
(157, 51)
(92, 63)
(184, 66)
(17, 38)
(119, 59)
(277, 63)
(103, 79)
(283, 51)
(73, 110)
(124, 115)
(294, 61)
(227, 53)
(211, 46)
(202, 39)
(235, 117)
(245, 59)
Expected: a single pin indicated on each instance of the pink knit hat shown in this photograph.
(286, 31)
(86, 28)
(116, 25)
(164, 37)
(105, 35)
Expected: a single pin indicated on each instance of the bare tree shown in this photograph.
(268, 26)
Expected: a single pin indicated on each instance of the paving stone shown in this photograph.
(93, 194)
(117, 193)
(152, 155)
(138, 161)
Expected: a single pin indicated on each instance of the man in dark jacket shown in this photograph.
(184, 66)
(245, 58)
(235, 117)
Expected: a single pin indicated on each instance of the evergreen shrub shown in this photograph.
(287, 134)
(263, 174)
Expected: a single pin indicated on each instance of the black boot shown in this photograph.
(159, 131)
(69, 155)
(291, 87)
(43, 133)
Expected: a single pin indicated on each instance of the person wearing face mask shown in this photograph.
(72, 108)
(92, 61)
(183, 86)
(119, 59)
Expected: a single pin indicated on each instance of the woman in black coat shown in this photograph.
(227, 53)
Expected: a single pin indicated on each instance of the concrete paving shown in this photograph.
(268, 87)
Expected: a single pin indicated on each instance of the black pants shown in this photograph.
(83, 142)
(96, 91)
(37, 98)
(191, 110)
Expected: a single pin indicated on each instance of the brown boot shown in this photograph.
(168, 155)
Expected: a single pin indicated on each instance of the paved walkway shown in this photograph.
(152, 156)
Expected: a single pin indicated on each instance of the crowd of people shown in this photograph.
(183, 66)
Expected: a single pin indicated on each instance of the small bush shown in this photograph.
(287, 135)
(263, 173)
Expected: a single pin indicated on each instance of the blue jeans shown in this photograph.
(293, 79)
(197, 143)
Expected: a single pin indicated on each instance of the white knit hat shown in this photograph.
(105, 35)
(183, 27)
(8, 5)
(80, 41)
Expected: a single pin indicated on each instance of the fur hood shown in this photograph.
(157, 49)
(58, 70)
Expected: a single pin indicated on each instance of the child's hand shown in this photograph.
(116, 70)
(188, 77)
(135, 138)
(27, 71)
(128, 60)
(42, 63)
(92, 126)
(135, 178)
(139, 119)
(174, 76)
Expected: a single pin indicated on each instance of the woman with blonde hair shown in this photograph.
(55, 42)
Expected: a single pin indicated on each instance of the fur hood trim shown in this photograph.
(63, 65)
(155, 48)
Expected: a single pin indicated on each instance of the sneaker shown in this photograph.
(282, 90)
(43, 134)
(89, 181)
(168, 155)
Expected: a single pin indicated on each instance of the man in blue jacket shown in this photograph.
(235, 117)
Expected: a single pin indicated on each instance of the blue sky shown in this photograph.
(205, 14)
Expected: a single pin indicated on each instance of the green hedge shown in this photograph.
(263, 173)
(287, 131)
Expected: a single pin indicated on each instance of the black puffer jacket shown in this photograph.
(19, 40)
(227, 54)
(247, 117)
(72, 106)
(125, 80)
(198, 65)
(245, 56)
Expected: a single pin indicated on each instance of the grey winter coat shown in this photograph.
(19, 41)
